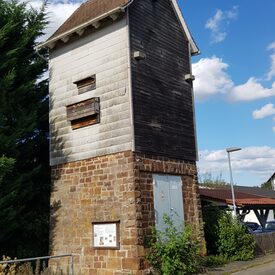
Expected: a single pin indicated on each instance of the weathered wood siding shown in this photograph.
(162, 99)
(105, 54)
(265, 242)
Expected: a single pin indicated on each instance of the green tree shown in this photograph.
(209, 181)
(267, 185)
(6, 166)
(24, 193)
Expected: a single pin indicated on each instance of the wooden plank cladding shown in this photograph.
(162, 98)
(84, 113)
(103, 53)
(86, 84)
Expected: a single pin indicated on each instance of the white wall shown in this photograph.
(251, 217)
(104, 53)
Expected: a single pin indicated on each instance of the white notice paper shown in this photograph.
(105, 235)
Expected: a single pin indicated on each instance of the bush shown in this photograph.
(174, 251)
(211, 215)
(233, 241)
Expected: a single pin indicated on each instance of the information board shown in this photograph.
(105, 235)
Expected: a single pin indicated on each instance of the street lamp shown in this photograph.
(230, 150)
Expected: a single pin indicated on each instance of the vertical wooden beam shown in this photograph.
(258, 216)
(261, 215)
(266, 215)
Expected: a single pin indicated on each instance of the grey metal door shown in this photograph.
(168, 199)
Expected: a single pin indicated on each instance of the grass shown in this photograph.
(215, 260)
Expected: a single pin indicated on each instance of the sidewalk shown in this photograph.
(234, 267)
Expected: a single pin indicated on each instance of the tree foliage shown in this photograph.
(226, 238)
(211, 215)
(267, 185)
(233, 240)
(209, 181)
(6, 165)
(24, 193)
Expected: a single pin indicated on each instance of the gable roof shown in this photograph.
(89, 10)
(92, 11)
(256, 191)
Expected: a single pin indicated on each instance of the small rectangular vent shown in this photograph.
(87, 84)
(84, 113)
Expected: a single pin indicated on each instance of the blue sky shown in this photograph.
(233, 88)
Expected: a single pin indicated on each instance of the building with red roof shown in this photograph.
(253, 204)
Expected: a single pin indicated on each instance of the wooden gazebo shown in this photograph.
(245, 202)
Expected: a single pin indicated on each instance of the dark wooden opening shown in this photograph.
(86, 84)
(85, 121)
(84, 113)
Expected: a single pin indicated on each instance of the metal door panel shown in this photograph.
(168, 199)
(176, 201)
(161, 199)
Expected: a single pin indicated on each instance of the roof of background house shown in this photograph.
(89, 10)
(223, 194)
(256, 191)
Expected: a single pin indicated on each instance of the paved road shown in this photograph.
(265, 269)
(263, 265)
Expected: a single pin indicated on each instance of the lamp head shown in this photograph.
(233, 149)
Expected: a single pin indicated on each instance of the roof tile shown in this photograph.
(242, 198)
(88, 11)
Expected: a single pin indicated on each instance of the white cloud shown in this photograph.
(271, 72)
(57, 11)
(251, 90)
(218, 23)
(214, 22)
(271, 46)
(233, 13)
(273, 128)
(265, 111)
(211, 77)
(250, 160)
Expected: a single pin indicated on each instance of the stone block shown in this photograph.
(131, 263)
(114, 263)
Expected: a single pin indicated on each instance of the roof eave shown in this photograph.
(271, 177)
(50, 43)
(194, 48)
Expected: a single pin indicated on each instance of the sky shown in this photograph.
(234, 87)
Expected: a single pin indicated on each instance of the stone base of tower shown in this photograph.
(113, 188)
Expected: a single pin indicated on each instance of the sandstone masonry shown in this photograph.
(117, 187)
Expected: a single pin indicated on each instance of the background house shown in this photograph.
(254, 204)
(271, 181)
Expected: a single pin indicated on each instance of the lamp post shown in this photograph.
(230, 150)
